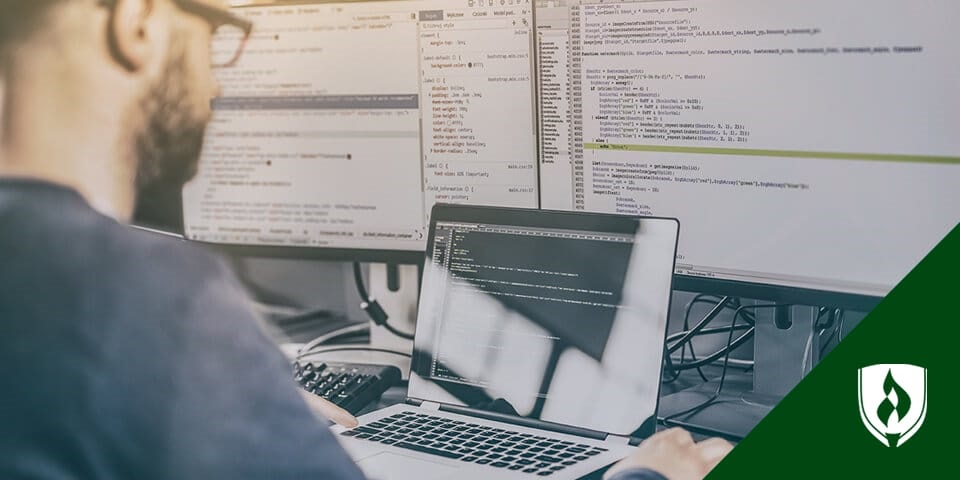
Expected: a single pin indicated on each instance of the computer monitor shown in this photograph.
(809, 148)
(344, 122)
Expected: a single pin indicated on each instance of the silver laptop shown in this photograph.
(538, 349)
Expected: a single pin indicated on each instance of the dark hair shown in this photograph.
(19, 18)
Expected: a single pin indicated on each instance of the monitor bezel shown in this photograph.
(779, 294)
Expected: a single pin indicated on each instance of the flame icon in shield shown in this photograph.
(893, 401)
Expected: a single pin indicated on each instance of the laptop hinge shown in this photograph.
(430, 406)
(618, 439)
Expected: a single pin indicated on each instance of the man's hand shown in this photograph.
(325, 409)
(675, 455)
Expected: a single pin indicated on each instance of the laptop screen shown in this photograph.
(559, 317)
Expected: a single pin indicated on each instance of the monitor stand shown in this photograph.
(400, 305)
(782, 358)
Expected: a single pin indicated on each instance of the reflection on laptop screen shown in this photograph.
(556, 324)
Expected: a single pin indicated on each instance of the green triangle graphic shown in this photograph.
(817, 432)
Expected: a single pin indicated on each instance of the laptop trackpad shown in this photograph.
(390, 466)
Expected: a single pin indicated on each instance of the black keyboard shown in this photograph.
(350, 386)
(480, 444)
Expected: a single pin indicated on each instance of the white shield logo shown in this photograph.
(893, 401)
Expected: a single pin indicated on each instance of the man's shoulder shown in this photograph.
(164, 273)
(51, 233)
(158, 258)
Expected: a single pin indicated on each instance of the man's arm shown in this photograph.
(236, 411)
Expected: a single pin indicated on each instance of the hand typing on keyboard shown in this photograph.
(325, 409)
(674, 455)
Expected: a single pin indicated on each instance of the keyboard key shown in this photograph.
(569, 463)
(494, 456)
(363, 436)
(543, 465)
(576, 450)
(524, 461)
(580, 458)
(499, 464)
(515, 467)
(514, 452)
(484, 461)
(593, 453)
(530, 470)
(431, 451)
(469, 459)
(499, 450)
(545, 474)
(557, 468)
(371, 431)
(545, 458)
(552, 453)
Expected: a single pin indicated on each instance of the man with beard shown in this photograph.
(122, 355)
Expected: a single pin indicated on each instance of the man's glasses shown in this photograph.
(230, 31)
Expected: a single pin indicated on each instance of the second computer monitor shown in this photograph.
(809, 146)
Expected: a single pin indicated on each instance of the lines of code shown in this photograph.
(494, 275)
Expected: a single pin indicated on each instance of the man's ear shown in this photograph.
(131, 34)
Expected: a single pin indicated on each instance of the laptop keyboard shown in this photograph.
(472, 443)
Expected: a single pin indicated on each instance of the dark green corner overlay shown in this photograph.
(816, 431)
